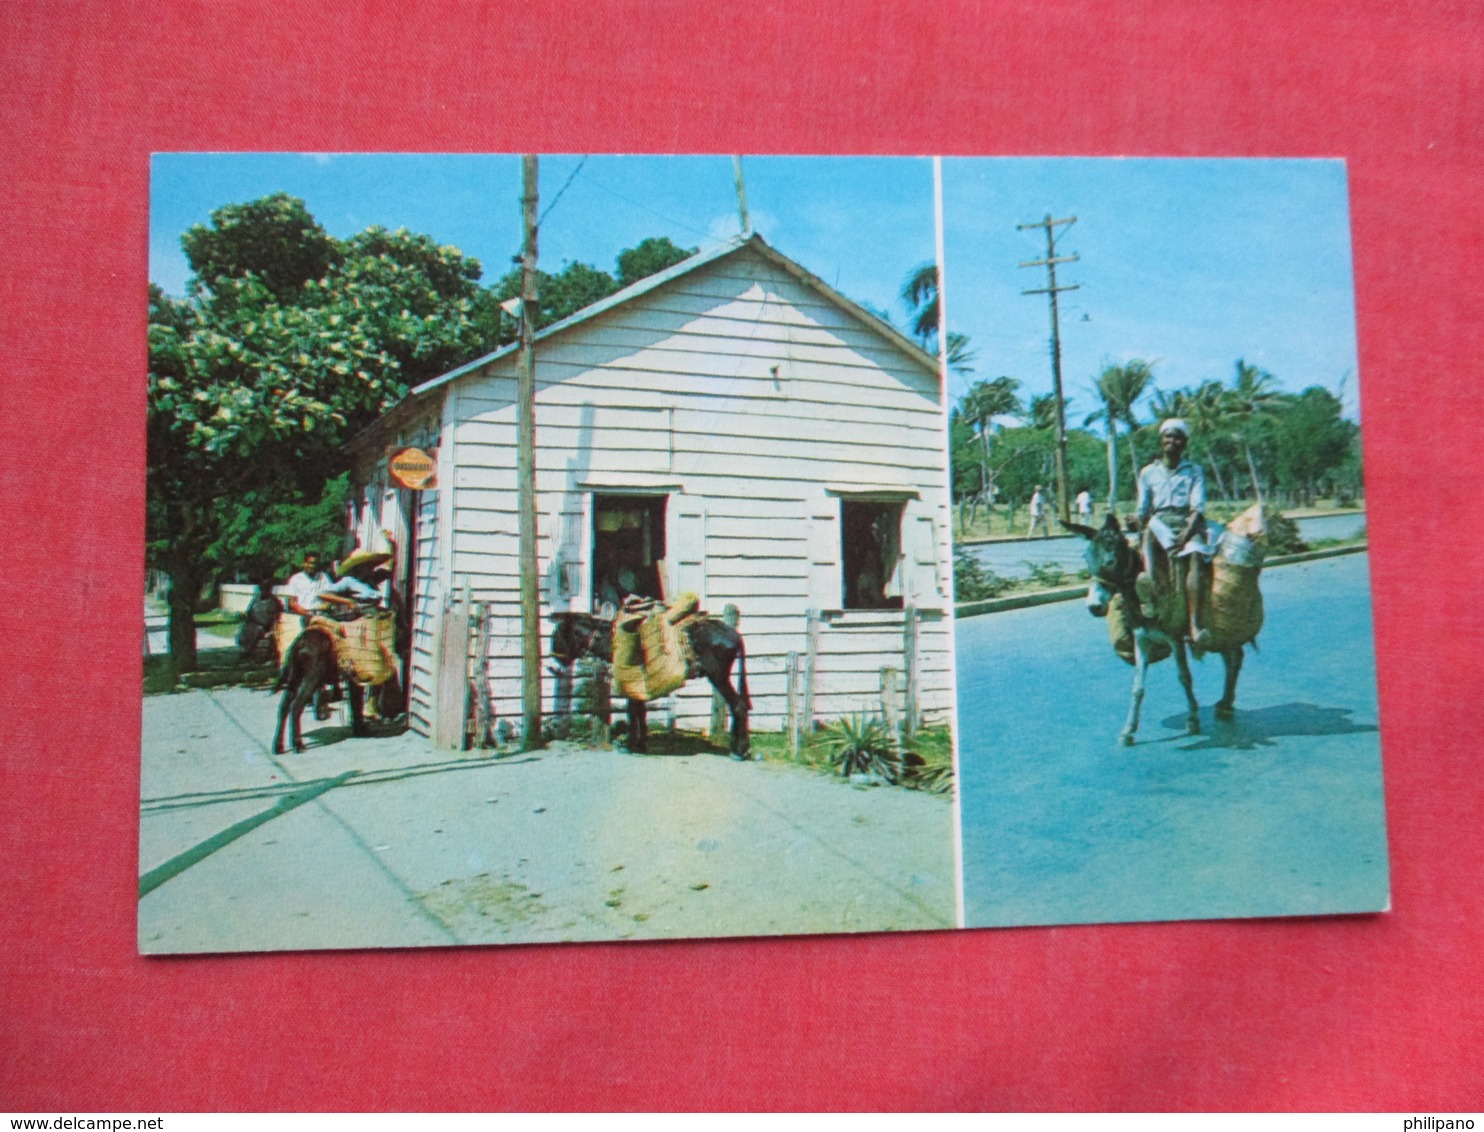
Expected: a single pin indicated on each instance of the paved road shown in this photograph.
(1014, 559)
(429, 847)
(1279, 812)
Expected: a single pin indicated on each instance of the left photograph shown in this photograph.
(544, 549)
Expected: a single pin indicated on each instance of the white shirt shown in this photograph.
(306, 588)
(1084, 503)
(1038, 503)
(1178, 491)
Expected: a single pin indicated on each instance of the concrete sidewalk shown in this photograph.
(426, 847)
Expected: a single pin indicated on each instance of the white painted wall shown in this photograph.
(752, 401)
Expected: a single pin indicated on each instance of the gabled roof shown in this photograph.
(417, 399)
(877, 325)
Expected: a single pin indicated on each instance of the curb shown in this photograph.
(1070, 593)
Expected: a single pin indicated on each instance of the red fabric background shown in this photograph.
(1368, 1012)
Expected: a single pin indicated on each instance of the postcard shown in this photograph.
(575, 548)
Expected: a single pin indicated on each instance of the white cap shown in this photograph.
(1175, 424)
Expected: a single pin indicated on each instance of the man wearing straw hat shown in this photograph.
(354, 588)
(1172, 504)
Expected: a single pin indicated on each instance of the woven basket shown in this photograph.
(285, 632)
(649, 655)
(1234, 609)
(365, 647)
(1121, 634)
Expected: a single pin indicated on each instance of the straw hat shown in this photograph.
(360, 558)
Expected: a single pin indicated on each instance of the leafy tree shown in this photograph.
(648, 257)
(1313, 440)
(275, 240)
(985, 401)
(1252, 403)
(289, 343)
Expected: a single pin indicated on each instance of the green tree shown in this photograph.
(649, 257)
(283, 351)
(920, 295)
(985, 401)
(1313, 441)
(1120, 387)
(1252, 404)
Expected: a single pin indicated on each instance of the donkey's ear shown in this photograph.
(1111, 522)
(1079, 529)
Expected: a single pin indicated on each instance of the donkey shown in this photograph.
(1113, 565)
(714, 644)
(257, 623)
(311, 665)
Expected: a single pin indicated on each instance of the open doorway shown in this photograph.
(628, 548)
(871, 551)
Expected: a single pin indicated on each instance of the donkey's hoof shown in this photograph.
(1126, 739)
(1225, 712)
(1193, 727)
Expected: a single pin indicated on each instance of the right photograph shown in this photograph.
(1165, 667)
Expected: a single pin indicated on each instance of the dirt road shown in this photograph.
(424, 847)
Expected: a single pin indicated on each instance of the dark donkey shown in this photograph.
(1113, 566)
(714, 644)
(310, 666)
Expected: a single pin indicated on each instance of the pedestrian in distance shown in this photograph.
(1038, 515)
(1084, 506)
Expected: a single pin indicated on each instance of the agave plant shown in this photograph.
(861, 744)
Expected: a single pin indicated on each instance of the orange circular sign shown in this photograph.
(412, 468)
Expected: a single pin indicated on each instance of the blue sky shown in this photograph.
(1187, 263)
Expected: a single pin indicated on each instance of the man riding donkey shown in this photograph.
(1173, 534)
(349, 633)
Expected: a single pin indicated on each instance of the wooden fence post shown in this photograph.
(720, 729)
(889, 715)
(452, 707)
(909, 654)
(806, 717)
(791, 715)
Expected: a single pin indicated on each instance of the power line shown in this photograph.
(560, 191)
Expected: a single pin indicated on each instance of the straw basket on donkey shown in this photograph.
(1233, 604)
(654, 650)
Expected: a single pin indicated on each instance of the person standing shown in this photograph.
(306, 585)
(1172, 523)
(1038, 515)
(1084, 507)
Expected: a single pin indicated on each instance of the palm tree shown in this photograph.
(983, 402)
(1205, 409)
(1120, 387)
(1251, 400)
(1042, 411)
(920, 294)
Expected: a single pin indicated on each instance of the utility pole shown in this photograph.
(1051, 290)
(741, 196)
(525, 472)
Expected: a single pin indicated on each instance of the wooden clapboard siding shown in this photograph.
(743, 395)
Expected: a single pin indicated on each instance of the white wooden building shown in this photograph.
(731, 426)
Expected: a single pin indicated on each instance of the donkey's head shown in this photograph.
(1112, 565)
(580, 634)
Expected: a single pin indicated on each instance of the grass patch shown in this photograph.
(932, 745)
(215, 668)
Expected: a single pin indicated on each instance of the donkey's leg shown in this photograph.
(1141, 671)
(283, 716)
(1193, 717)
(718, 670)
(638, 727)
(357, 708)
(302, 695)
(1227, 707)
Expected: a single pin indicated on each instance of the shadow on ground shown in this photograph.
(1253, 729)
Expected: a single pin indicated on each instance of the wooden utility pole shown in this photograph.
(1051, 290)
(525, 472)
(741, 196)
